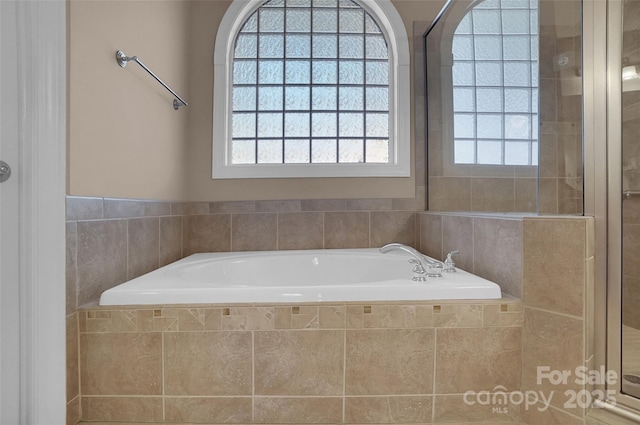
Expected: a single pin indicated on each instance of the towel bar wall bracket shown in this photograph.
(122, 60)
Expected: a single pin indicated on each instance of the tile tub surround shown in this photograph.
(311, 363)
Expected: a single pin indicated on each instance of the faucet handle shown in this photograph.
(450, 265)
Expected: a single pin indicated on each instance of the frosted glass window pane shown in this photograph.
(488, 74)
(371, 27)
(351, 98)
(533, 21)
(517, 127)
(298, 72)
(534, 127)
(324, 151)
(246, 46)
(298, 46)
(251, 24)
(271, 20)
(348, 3)
(270, 98)
(296, 98)
(269, 151)
(515, 4)
(352, 46)
(489, 152)
(534, 48)
(516, 74)
(515, 22)
(516, 153)
(464, 27)
(488, 4)
(462, 47)
(534, 153)
(324, 125)
(325, 72)
(489, 100)
(463, 100)
(490, 126)
(243, 151)
(271, 46)
(516, 47)
(298, 20)
(377, 73)
(462, 74)
(351, 72)
(325, 46)
(464, 152)
(269, 125)
(296, 125)
(270, 72)
(274, 3)
(244, 72)
(351, 151)
(377, 125)
(325, 21)
(377, 151)
(535, 77)
(296, 151)
(378, 98)
(464, 126)
(517, 100)
(324, 98)
(298, 3)
(325, 3)
(244, 98)
(243, 125)
(351, 125)
(376, 47)
(534, 101)
(486, 22)
(352, 21)
(487, 47)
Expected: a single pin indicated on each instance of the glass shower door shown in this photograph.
(630, 294)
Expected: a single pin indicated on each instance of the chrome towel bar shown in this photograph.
(122, 61)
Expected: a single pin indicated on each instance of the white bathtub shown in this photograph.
(294, 276)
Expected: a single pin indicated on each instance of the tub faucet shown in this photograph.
(435, 267)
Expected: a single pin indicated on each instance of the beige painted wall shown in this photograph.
(125, 139)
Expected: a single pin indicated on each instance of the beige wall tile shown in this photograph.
(279, 206)
(249, 318)
(458, 316)
(454, 409)
(449, 194)
(497, 253)
(208, 233)
(232, 207)
(332, 317)
(346, 230)
(630, 301)
(431, 237)
(493, 194)
(102, 257)
(209, 410)
(540, 414)
(124, 409)
(395, 316)
(72, 365)
(553, 341)
(526, 195)
(121, 364)
(554, 264)
(299, 362)
(392, 226)
(389, 362)
(73, 411)
(123, 208)
(300, 230)
(170, 240)
(207, 363)
(143, 249)
(548, 195)
(478, 359)
(388, 410)
(321, 205)
(457, 233)
(291, 410)
(254, 232)
(368, 204)
(631, 249)
(84, 208)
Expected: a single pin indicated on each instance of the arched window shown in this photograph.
(495, 84)
(311, 88)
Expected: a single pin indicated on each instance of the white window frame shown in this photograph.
(399, 106)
